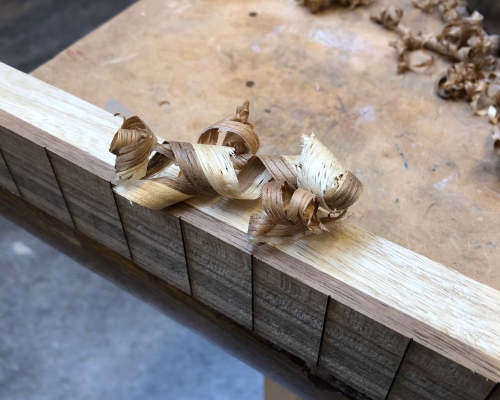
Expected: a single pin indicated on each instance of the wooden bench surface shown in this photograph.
(369, 317)
(432, 180)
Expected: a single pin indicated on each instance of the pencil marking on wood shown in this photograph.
(59, 185)
(402, 156)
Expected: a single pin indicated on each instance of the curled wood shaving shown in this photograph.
(320, 173)
(481, 88)
(316, 5)
(496, 139)
(493, 90)
(292, 213)
(475, 76)
(294, 189)
(453, 84)
(409, 47)
(463, 40)
(390, 17)
(132, 145)
(417, 61)
(494, 114)
(450, 10)
(425, 5)
(481, 104)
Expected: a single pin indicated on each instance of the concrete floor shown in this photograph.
(34, 31)
(66, 333)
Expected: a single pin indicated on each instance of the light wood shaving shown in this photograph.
(496, 139)
(450, 10)
(294, 189)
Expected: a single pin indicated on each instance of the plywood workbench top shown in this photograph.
(432, 180)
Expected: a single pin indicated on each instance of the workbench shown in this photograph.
(431, 178)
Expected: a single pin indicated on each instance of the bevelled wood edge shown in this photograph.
(155, 241)
(220, 273)
(6, 179)
(425, 374)
(288, 312)
(360, 351)
(214, 280)
(284, 368)
(91, 203)
(33, 174)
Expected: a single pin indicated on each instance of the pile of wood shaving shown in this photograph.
(449, 10)
(474, 77)
(300, 194)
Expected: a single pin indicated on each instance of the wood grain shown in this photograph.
(6, 179)
(360, 351)
(155, 241)
(410, 294)
(70, 118)
(426, 375)
(288, 312)
(220, 273)
(91, 203)
(33, 174)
